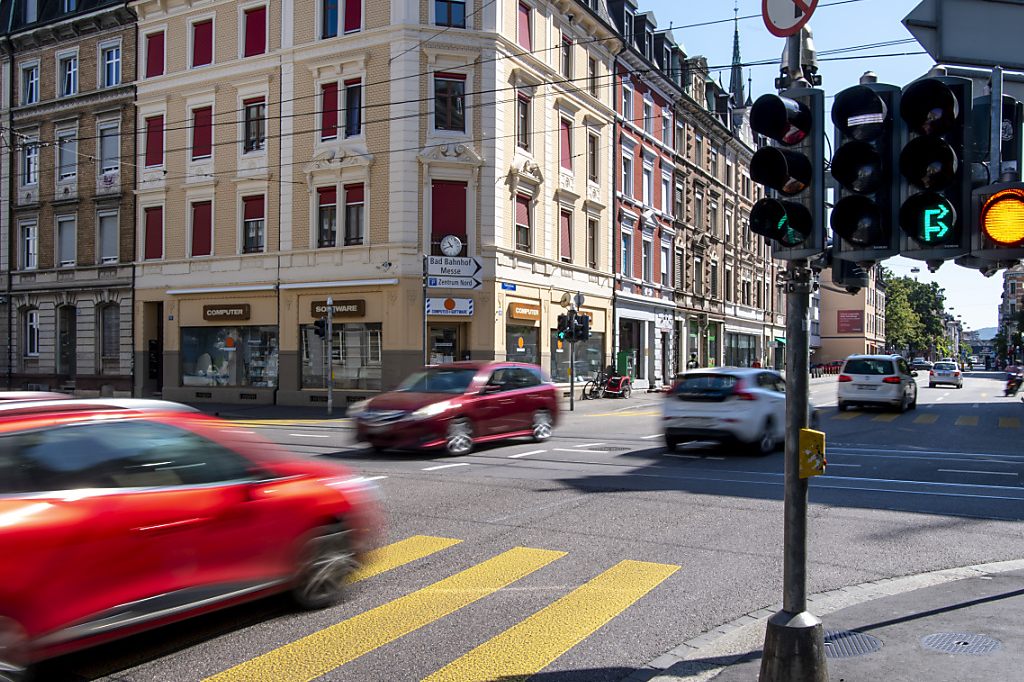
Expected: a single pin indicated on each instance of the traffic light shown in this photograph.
(936, 163)
(999, 221)
(794, 168)
(865, 165)
(564, 328)
(581, 330)
(320, 327)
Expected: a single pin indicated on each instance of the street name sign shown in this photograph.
(784, 18)
(970, 32)
(453, 266)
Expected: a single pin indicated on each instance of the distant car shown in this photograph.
(945, 373)
(877, 380)
(454, 406)
(727, 405)
(115, 520)
(920, 363)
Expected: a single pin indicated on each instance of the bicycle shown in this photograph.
(594, 388)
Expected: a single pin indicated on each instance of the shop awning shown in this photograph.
(780, 339)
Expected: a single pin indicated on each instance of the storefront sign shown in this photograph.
(352, 308)
(437, 305)
(226, 312)
(850, 321)
(524, 311)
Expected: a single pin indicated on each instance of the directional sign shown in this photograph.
(786, 17)
(935, 223)
(972, 32)
(453, 266)
(453, 282)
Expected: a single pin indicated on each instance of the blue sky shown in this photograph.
(856, 23)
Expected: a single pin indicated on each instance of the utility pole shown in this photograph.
(572, 358)
(426, 269)
(330, 355)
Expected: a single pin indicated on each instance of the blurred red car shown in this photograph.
(115, 520)
(456, 405)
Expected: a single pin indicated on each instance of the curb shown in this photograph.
(725, 645)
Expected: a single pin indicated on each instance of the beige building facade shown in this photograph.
(851, 323)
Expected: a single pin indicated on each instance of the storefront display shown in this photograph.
(589, 357)
(740, 350)
(229, 356)
(356, 356)
(522, 344)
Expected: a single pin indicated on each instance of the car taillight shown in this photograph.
(891, 380)
(931, 372)
(740, 394)
(845, 377)
(956, 374)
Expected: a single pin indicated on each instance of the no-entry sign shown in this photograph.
(784, 18)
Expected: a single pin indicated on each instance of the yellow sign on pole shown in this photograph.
(812, 453)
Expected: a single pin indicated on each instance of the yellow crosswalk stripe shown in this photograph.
(1009, 423)
(323, 651)
(398, 554)
(926, 419)
(966, 421)
(846, 415)
(887, 417)
(534, 643)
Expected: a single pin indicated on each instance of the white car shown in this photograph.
(945, 373)
(727, 405)
(877, 380)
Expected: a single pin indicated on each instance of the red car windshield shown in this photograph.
(439, 381)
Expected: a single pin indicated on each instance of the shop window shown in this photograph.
(524, 231)
(447, 213)
(229, 356)
(202, 133)
(327, 216)
(253, 232)
(255, 111)
(202, 228)
(355, 228)
(329, 111)
(522, 344)
(590, 358)
(357, 356)
(450, 13)
(202, 43)
(154, 54)
(450, 102)
(353, 107)
(255, 32)
(154, 141)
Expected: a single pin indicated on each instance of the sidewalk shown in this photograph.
(956, 625)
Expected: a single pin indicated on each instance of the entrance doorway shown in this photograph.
(445, 343)
(153, 334)
(67, 345)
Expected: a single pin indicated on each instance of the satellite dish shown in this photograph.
(566, 300)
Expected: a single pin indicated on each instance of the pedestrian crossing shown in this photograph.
(525, 648)
(972, 420)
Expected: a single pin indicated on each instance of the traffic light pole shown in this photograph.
(330, 355)
(572, 359)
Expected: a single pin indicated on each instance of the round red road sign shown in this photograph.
(784, 18)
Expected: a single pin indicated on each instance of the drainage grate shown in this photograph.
(961, 643)
(847, 643)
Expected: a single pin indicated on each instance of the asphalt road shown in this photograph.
(629, 550)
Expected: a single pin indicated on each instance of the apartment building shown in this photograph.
(851, 323)
(1012, 299)
(67, 208)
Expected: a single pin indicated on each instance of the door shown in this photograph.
(493, 409)
(67, 318)
(445, 343)
(774, 391)
(528, 396)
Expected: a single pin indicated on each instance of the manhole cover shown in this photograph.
(961, 643)
(847, 643)
(609, 448)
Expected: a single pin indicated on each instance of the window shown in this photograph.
(523, 121)
(30, 84)
(627, 175)
(648, 117)
(592, 75)
(30, 162)
(728, 285)
(255, 32)
(29, 11)
(108, 237)
(110, 148)
(30, 346)
(329, 18)
(666, 195)
(327, 217)
(328, 111)
(68, 5)
(666, 129)
(523, 225)
(680, 269)
(110, 332)
(680, 197)
(110, 57)
(202, 228)
(627, 253)
(565, 144)
(353, 15)
(713, 217)
(255, 124)
(566, 56)
(648, 184)
(714, 279)
(154, 54)
(666, 266)
(229, 356)
(627, 102)
(698, 150)
(447, 213)
(565, 236)
(647, 260)
(66, 241)
(628, 19)
(29, 246)
(354, 214)
(153, 248)
(698, 210)
(593, 147)
(357, 360)
(67, 71)
(592, 226)
(202, 133)
(449, 101)
(154, 141)
(450, 13)
(202, 43)
(728, 226)
(252, 224)
(353, 107)
(67, 155)
(525, 34)
(728, 175)
(698, 275)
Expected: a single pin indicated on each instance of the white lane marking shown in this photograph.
(366, 479)
(447, 466)
(657, 435)
(969, 471)
(240, 431)
(588, 445)
(526, 454)
(672, 454)
(834, 464)
(308, 435)
(716, 458)
(591, 452)
(854, 450)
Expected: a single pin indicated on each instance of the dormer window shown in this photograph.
(627, 25)
(68, 5)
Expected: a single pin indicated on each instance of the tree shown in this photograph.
(903, 329)
(913, 313)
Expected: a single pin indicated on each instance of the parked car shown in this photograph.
(920, 363)
(731, 405)
(454, 406)
(115, 520)
(20, 396)
(877, 380)
(945, 373)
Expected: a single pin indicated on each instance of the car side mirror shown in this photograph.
(490, 388)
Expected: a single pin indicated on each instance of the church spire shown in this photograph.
(736, 78)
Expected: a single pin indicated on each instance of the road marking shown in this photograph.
(588, 445)
(531, 645)
(651, 437)
(323, 651)
(845, 416)
(889, 417)
(586, 452)
(447, 466)
(709, 457)
(623, 414)
(365, 479)
(926, 419)
(987, 473)
(672, 454)
(308, 435)
(835, 464)
(1009, 423)
(399, 553)
(966, 421)
(526, 454)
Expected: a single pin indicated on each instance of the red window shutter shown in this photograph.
(450, 76)
(447, 209)
(524, 26)
(566, 154)
(253, 207)
(155, 141)
(354, 194)
(202, 132)
(255, 31)
(522, 210)
(327, 196)
(566, 234)
(202, 43)
(202, 233)
(329, 107)
(155, 54)
(353, 15)
(154, 233)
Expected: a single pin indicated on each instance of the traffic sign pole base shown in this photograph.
(794, 649)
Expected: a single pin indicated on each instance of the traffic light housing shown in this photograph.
(320, 327)
(936, 167)
(998, 220)
(581, 328)
(564, 328)
(794, 168)
(865, 166)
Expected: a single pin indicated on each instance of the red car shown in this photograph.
(457, 405)
(114, 520)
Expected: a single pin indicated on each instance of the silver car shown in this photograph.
(885, 380)
(945, 373)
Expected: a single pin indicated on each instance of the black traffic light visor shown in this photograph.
(858, 166)
(782, 170)
(930, 219)
(860, 113)
(929, 107)
(858, 220)
(780, 118)
(786, 222)
(928, 163)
